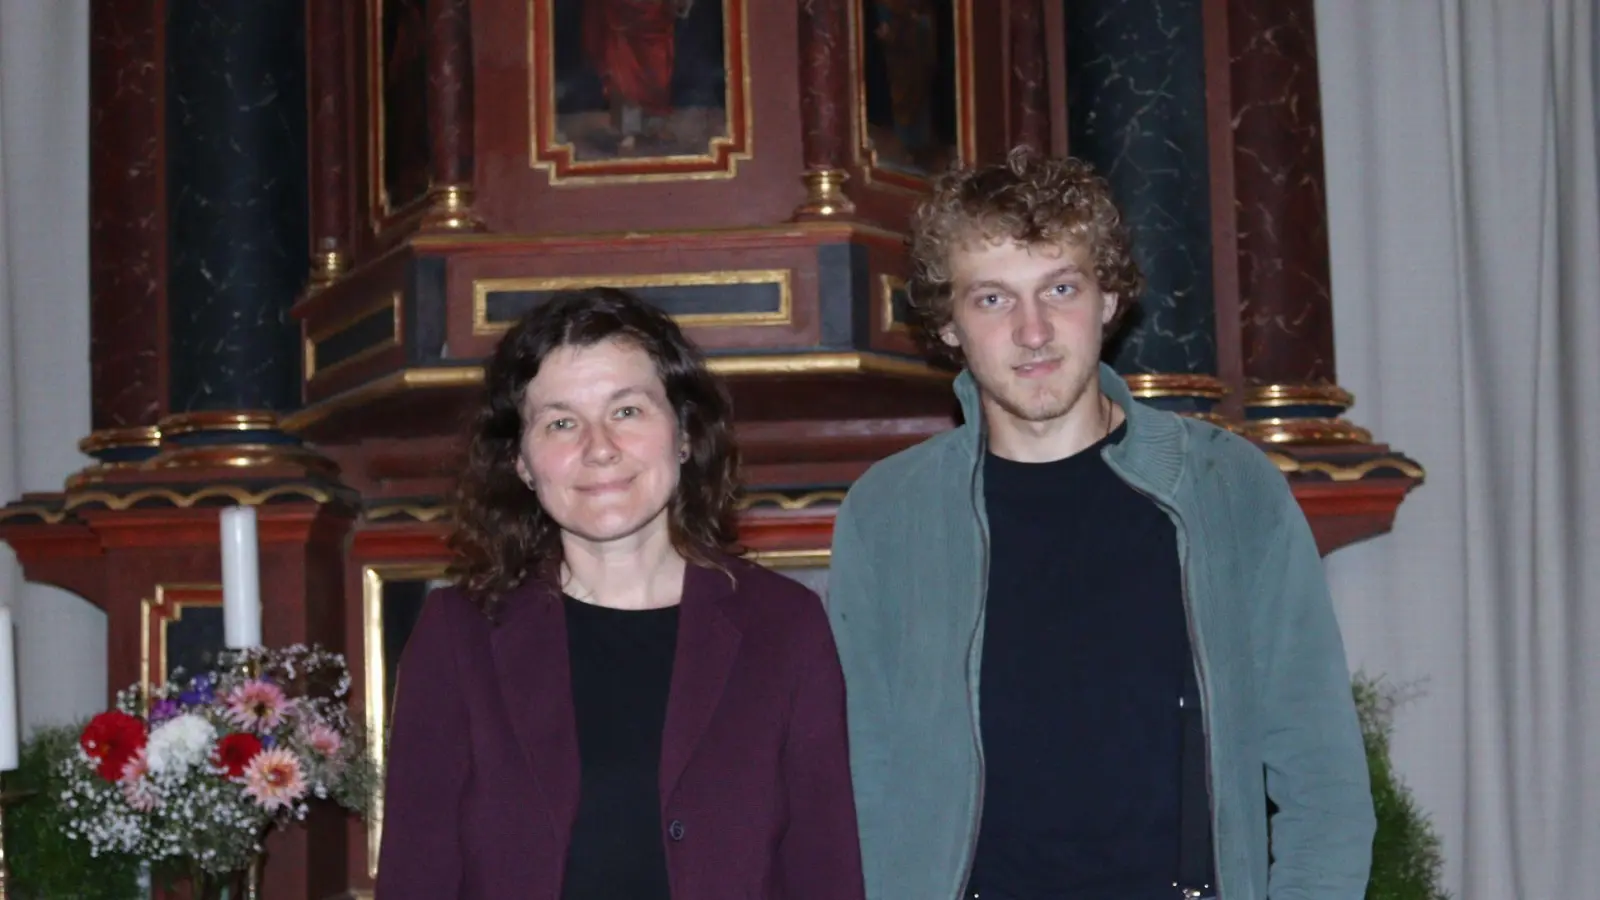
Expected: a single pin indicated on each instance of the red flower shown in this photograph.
(111, 739)
(235, 751)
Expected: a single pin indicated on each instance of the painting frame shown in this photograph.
(376, 688)
(385, 212)
(157, 613)
(874, 169)
(558, 158)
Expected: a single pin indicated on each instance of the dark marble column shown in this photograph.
(1030, 70)
(330, 112)
(1136, 110)
(127, 243)
(237, 212)
(450, 117)
(1285, 304)
(825, 107)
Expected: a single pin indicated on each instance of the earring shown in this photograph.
(683, 455)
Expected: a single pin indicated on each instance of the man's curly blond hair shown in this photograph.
(1027, 198)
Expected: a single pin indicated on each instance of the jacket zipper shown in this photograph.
(972, 700)
(1200, 675)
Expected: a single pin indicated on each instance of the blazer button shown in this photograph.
(675, 830)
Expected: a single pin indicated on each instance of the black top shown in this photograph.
(1084, 648)
(621, 674)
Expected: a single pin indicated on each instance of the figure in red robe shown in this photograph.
(630, 45)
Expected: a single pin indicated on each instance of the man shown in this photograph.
(1028, 606)
(632, 45)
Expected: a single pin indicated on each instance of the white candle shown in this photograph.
(8, 695)
(241, 578)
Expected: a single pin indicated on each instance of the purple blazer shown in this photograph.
(756, 800)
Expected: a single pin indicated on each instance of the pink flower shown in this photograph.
(274, 779)
(324, 740)
(257, 706)
(137, 789)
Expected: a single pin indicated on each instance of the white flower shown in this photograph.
(179, 743)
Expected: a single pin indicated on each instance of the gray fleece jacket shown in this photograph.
(906, 598)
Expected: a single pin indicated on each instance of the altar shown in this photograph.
(311, 223)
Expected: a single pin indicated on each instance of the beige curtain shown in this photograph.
(44, 329)
(1465, 228)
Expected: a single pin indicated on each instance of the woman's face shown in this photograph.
(600, 442)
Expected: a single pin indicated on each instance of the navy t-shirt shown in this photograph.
(1084, 651)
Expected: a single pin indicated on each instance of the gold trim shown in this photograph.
(787, 502)
(245, 420)
(792, 559)
(96, 473)
(451, 377)
(416, 510)
(376, 689)
(841, 228)
(1305, 431)
(436, 378)
(825, 197)
(887, 285)
(450, 209)
(47, 516)
(1274, 395)
(240, 456)
(1150, 385)
(544, 25)
(327, 266)
(866, 156)
(481, 288)
(1288, 465)
(846, 363)
(312, 339)
(120, 438)
(147, 606)
(184, 501)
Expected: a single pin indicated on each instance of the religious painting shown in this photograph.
(912, 88)
(638, 89)
(399, 101)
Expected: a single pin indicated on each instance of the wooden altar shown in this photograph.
(458, 160)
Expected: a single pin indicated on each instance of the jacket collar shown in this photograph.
(530, 655)
(1150, 456)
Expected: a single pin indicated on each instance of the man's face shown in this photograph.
(1030, 320)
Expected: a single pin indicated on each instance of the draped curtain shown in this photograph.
(44, 330)
(1465, 230)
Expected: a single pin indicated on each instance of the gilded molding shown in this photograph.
(825, 197)
(234, 420)
(420, 512)
(1149, 385)
(789, 502)
(782, 278)
(1288, 465)
(450, 209)
(119, 439)
(1280, 395)
(185, 500)
(1305, 431)
(241, 456)
(792, 559)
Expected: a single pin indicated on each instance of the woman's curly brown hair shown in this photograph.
(502, 534)
(1027, 198)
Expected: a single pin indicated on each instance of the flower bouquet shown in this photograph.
(192, 778)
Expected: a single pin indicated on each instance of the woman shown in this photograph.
(608, 705)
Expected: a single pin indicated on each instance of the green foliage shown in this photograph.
(1406, 855)
(43, 861)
